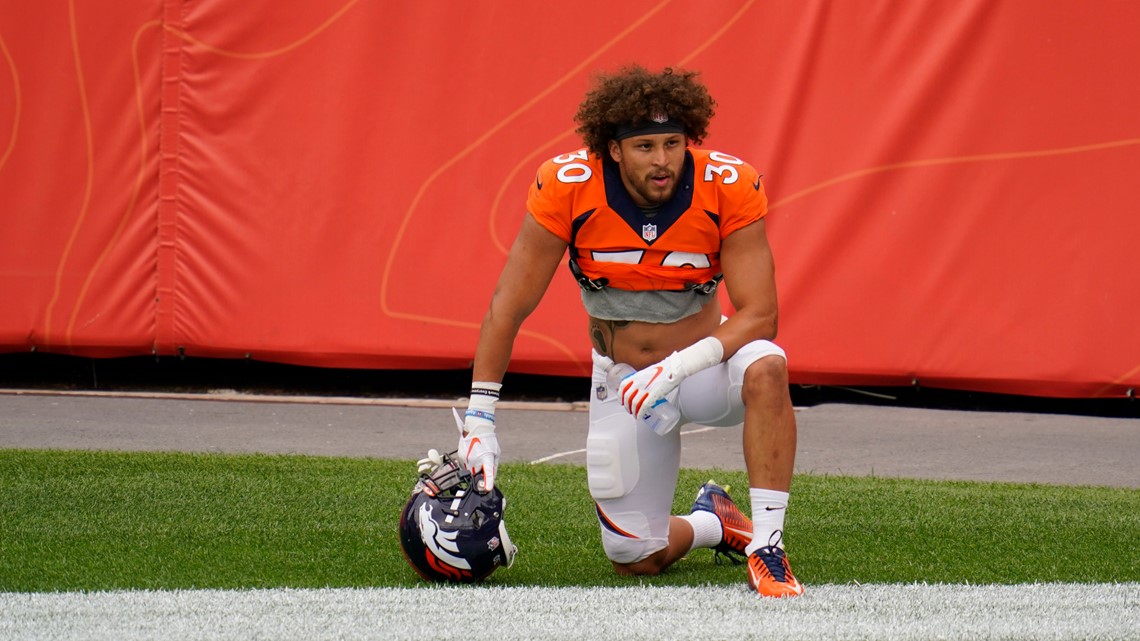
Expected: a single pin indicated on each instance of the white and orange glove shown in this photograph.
(478, 445)
(647, 387)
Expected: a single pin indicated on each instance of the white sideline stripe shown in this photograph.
(558, 455)
(1032, 612)
(572, 452)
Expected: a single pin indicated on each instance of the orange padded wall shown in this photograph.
(953, 184)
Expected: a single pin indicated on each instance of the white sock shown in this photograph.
(707, 531)
(768, 509)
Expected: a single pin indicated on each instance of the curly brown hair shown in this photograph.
(634, 94)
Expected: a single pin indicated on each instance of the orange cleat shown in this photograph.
(770, 575)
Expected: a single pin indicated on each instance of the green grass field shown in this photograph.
(101, 520)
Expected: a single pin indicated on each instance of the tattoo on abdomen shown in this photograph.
(598, 338)
(602, 335)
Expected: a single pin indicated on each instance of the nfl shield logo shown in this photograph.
(649, 232)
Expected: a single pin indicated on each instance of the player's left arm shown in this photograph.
(750, 279)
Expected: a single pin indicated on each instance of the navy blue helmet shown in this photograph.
(452, 532)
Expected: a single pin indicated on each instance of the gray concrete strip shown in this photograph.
(833, 438)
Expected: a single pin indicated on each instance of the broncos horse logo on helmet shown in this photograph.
(450, 531)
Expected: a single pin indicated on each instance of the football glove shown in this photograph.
(479, 451)
(647, 387)
(478, 445)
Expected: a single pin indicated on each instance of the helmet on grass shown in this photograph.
(449, 531)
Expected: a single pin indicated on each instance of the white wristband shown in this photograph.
(481, 403)
(702, 354)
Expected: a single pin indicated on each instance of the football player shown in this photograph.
(652, 224)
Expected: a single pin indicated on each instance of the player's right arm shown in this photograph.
(530, 267)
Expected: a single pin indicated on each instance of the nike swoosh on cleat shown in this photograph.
(796, 587)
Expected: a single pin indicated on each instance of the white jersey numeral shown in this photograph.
(631, 257)
(686, 259)
(672, 259)
(727, 172)
(573, 172)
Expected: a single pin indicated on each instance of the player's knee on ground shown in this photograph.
(633, 552)
(651, 565)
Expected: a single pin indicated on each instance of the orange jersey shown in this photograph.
(581, 199)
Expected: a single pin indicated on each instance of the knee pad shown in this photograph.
(613, 473)
(752, 352)
(612, 468)
(749, 354)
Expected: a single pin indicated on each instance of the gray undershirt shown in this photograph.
(648, 306)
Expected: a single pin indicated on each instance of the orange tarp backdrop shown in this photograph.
(954, 185)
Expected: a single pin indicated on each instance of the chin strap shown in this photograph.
(509, 549)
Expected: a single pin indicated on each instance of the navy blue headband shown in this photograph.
(659, 124)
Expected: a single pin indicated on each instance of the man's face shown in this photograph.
(650, 166)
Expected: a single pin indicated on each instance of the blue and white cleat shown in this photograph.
(736, 529)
